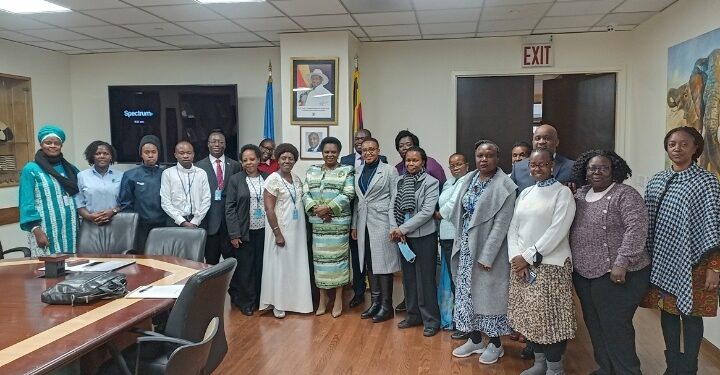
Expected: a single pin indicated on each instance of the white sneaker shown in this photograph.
(469, 348)
(278, 313)
(491, 354)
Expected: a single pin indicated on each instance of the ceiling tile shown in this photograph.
(68, 19)
(50, 45)
(245, 10)
(391, 18)
(187, 41)
(160, 48)
(18, 22)
(251, 44)
(158, 29)
(76, 52)
(268, 24)
(104, 32)
(190, 12)
(18, 37)
(376, 6)
(603, 28)
(567, 22)
(508, 25)
(448, 36)
(561, 30)
(126, 16)
(229, 38)
(378, 31)
(112, 50)
(144, 3)
(446, 4)
(395, 38)
(56, 34)
(364, 39)
(448, 28)
(448, 15)
(579, 8)
(643, 5)
(91, 44)
(504, 33)
(273, 36)
(212, 27)
(514, 12)
(94, 4)
(136, 42)
(626, 18)
(358, 31)
(310, 7)
(333, 20)
(494, 3)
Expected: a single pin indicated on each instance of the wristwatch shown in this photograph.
(115, 211)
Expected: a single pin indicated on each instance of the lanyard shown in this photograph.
(288, 189)
(257, 190)
(188, 196)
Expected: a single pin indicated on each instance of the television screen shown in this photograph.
(173, 114)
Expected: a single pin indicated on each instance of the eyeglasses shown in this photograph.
(539, 165)
(600, 168)
(458, 165)
(369, 150)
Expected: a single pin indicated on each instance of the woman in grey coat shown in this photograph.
(374, 182)
(479, 265)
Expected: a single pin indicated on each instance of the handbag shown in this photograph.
(84, 287)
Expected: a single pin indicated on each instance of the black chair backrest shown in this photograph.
(24, 250)
(188, 243)
(202, 299)
(191, 359)
(115, 237)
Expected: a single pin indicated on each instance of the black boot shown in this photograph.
(386, 308)
(374, 297)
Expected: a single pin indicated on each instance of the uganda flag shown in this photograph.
(357, 106)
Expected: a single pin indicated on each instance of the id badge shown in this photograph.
(218, 194)
(258, 213)
(296, 215)
(67, 200)
(531, 276)
(186, 209)
(407, 216)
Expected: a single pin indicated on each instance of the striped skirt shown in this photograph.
(331, 255)
(543, 311)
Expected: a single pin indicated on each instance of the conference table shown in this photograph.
(36, 338)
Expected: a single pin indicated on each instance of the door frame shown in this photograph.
(621, 143)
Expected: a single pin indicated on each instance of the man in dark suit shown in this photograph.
(355, 159)
(544, 137)
(219, 169)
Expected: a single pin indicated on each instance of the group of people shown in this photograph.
(517, 244)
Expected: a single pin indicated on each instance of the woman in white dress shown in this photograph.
(286, 268)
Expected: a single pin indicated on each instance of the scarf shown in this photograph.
(367, 174)
(69, 183)
(405, 199)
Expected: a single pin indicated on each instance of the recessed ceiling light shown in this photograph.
(228, 1)
(30, 6)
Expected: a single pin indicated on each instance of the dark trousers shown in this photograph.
(218, 244)
(358, 280)
(142, 234)
(692, 328)
(446, 248)
(608, 309)
(246, 280)
(419, 282)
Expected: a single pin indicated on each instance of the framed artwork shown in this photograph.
(310, 138)
(314, 92)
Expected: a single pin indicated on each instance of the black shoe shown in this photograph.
(460, 335)
(383, 314)
(357, 300)
(430, 331)
(371, 311)
(407, 324)
(527, 353)
(401, 307)
(247, 311)
(385, 287)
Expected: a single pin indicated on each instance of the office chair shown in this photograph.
(24, 250)
(115, 237)
(188, 243)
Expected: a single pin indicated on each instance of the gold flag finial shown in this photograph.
(269, 70)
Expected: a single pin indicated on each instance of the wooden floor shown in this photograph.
(306, 344)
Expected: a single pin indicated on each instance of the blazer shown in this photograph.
(421, 221)
(350, 159)
(487, 242)
(237, 206)
(562, 171)
(216, 215)
(371, 214)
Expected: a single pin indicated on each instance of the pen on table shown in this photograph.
(145, 288)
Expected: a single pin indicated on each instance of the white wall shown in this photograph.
(650, 42)
(50, 79)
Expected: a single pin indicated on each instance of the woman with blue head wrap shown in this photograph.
(47, 187)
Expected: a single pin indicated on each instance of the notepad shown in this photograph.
(157, 291)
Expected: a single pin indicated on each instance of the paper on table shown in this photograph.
(157, 291)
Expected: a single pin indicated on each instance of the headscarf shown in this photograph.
(405, 200)
(69, 183)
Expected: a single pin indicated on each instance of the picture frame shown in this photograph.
(315, 101)
(310, 138)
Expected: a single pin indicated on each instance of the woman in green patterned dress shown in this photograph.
(329, 189)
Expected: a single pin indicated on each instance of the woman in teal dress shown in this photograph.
(47, 185)
(329, 189)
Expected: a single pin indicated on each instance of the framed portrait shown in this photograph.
(314, 92)
(310, 138)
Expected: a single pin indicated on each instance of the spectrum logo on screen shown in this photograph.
(138, 117)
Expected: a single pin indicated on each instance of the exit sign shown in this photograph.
(537, 55)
